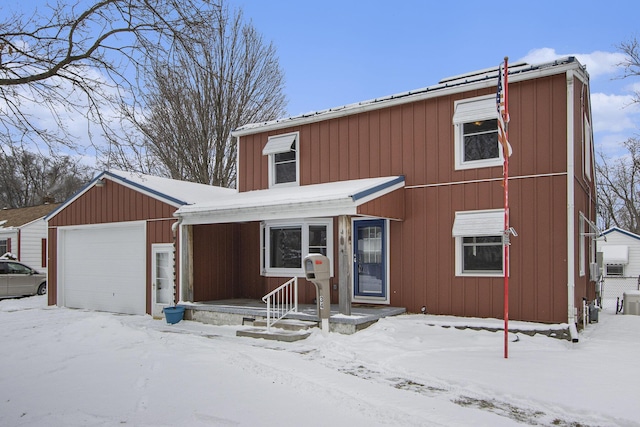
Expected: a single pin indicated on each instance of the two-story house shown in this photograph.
(404, 194)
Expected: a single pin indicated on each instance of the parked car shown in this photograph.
(18, 279)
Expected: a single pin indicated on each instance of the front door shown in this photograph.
(162, 280)
(370, 277)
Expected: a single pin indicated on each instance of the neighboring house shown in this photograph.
(23, 233)
(404, 194)
(111, 245)
(620, 262)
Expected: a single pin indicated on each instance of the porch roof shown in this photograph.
(317, 200)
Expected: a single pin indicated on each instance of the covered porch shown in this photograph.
(224, 255)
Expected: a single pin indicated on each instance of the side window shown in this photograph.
(4, 247)
(587, 147)
(614, 270)
(15, 268)
(478, 242)
(475, 122)
(283, 152)
(615, 258)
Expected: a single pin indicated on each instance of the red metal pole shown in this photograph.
(506, 211)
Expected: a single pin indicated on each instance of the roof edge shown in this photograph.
(464, 82)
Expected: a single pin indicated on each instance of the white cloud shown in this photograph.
(598, 63)
(614, 113)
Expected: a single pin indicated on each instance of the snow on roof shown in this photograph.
(171, 191)
(328, 199)
(182, 192)
(458, 83)
(621, 231)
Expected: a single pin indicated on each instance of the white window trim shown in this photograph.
(304, 224)
(490, 223)
(271, 154)
(466, 111)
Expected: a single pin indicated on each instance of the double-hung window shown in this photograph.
(476, 133)
(479, 243)
(283, 152)
(286, 243)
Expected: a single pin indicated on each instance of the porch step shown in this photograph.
(276, 334)
(287, 324)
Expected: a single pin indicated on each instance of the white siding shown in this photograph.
(31, 236)
(614, 287)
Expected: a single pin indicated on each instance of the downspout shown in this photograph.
(571, 250)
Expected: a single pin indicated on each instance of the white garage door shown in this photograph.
(103, 268)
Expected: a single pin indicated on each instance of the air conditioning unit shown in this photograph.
(631, 303)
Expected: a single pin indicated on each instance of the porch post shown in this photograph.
(345, 259)
(186, 270)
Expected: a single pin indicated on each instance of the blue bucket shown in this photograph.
(173, 314)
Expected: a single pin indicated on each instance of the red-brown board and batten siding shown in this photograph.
(112, 203)
(415, 139)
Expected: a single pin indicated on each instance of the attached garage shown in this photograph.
(103, 267)
(107, 243)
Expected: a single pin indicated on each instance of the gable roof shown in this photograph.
(620, 230)
(328, 199)
(465, 82)
(171, 191)
(19, 217)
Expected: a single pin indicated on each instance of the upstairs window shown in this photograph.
(283, 159)
(476, 133)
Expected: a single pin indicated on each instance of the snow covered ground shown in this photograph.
(62, 367)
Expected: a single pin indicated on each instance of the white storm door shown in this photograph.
(162, 277)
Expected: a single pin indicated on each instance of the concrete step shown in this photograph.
(275, 334)
(287, 324)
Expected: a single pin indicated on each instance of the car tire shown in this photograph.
(42, 289)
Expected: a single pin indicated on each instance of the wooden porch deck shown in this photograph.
(246, 311)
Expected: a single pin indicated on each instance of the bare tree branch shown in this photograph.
(619, 188)
(631, 65)
(81, 59)
(225, 77)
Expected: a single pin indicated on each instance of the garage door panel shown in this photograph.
(104, 268)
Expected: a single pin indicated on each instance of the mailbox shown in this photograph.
(317, 270)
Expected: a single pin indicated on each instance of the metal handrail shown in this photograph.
(281, 301)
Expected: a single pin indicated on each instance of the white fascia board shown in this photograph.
(264, 213)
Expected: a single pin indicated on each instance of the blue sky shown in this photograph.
(338, 52)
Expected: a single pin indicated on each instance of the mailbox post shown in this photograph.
(318, 271)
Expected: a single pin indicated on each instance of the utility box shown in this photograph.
(317, 269)
(631, 304)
